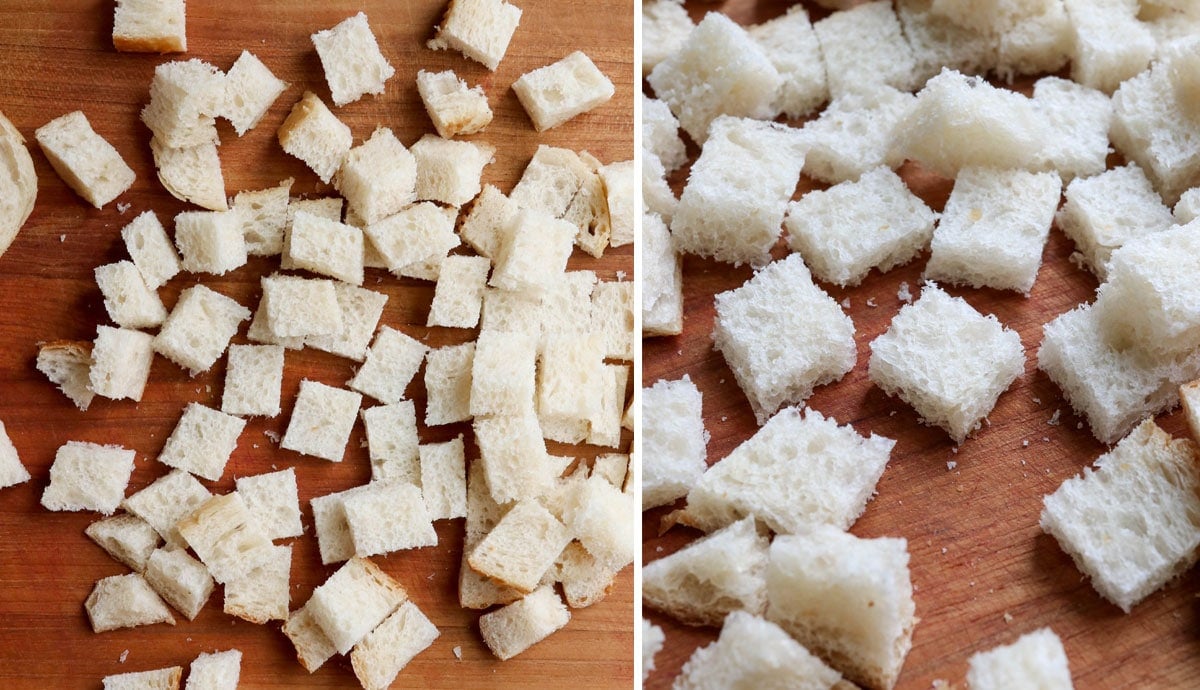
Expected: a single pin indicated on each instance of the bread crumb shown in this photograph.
(1053, 421)
(620, 276)
(123, 657)
(1078, 425)
(951, 465)
(1037, 401)
(940, 684)
(62, 238)
(273, 435)
(679, 352)
(943, 549)
(122, 208)
(846, 303)
(458, 653)
(892, 413)
(724, 418)
(1046, 439)
(954, 450)
(871, 302)
(903, 294)
(722, 381)
(254, 445)
(1008, 618)
(971, 583)
(1025, 444)
(658, 549)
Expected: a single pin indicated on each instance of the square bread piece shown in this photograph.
(151, 249)
(483, 224)
(121, 361)
(520, 625)
(226, 537)
(938, 42)
(519, 550)
(378, 177)
(263, 214)
(570, 386)
(130, 303)
(326, 247)
(274, 502)
(448, 384)
(391, 363)
(453, 107)
(361, 310)
(182, 581)
(159, 679)
(1154, 129)
(793, 48)
(150, 26)
(665, 26)
(796, 471)
(253, 381)
(12, 472)
(210, 241)
(1133, 523)
(333, 532)
(479, 29)
(262, 594)
(202, 442)
(854, 134)
(354, 601)
(448, 171)
(673, 441)
(444, 478)
(947, 360)
(388, 516)
(503, 374)
(662, 280)
(992, 16)
(782, 336)
(185, 97)
(351, 59)
(534, 252)
(1035, 44)
(392, 442)
(85, 160)
(551, 180)
(199, 328)
(553, 94)
(660, 131)
(380, 656)
(620, 181)
(1103, 212)
(127, 538)
(612, 318)
(87, 476)
(250, 89)
(125, 601)
(848, 600)
(316, 136)
(1079, 119)
(1110, 43)
(1036, 659)
(166, 501)
(192, 173)
(419, 233)
(458, 297)
(321, 421)
(68, 365)
(604, 427)
(514, 457)
(602, 518)
(864, 47)
(994, 228)
(737, 191)
(719, 70)
(845, 231)
(298, 307)
(313, 647)
(215, 671)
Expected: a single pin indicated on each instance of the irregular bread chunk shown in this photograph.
(121, 361)
(87, 476)
(125, 601)
(453, 107)
(662, 280)
(794, 50)
(202, 442)
(68, 365)
(191, 173)
(167, 501)
(378, 177)
(160, 679)
(354, 601)
(182, 581)
(313, 647)
(85, 160)
(18, 183)
(1036, 659)
(519, 550)
(316, 136)
(130, 303)
(225, 536)
(854, 135)
(263, 215)
(479, 29)
(151, 249)
(250, 89)
(262, 594)
(185, 97)
(215, 671)
(392, 442)
(449, 171)
(127, 538)
(380, 656)
(274, 502)
(353, 63)
(522, 624)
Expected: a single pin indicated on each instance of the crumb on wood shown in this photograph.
(1008, 617)
(1054, 418)
(951, 465)
(871, 302)
(903, 294)
(458, 653)
(123, 657)
(846, 303)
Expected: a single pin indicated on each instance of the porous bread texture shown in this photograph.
(793, 48)
(711, 577)
(519, 550)
(253, 381)
(458, 297)
(191, 173)
(449, 171)
(1036, 44)
(1132, 524)
(202, 442)
(848, 600)
(313, 647)
(612, 318)
(329, 207)
(380, 656)
(225, 536)
(754, 652)
(1152, 128)
(1036, 659)
(656, 193)
(262, 594)
(782, 335)
(479, 29)
(388, 516)
(503, 373)
(994, 228)
(88, 476)
(18, 183)
(215, 671)
(361, 310)
(1078, 119)
(660, 133)
(514, 458)
(150, 26)
(553, 94)
(673, 441)
(520, 625)
(1110, 44)
(250, 89)
(604, 427)
(298, 307)
(1187, 208)
(1184, 60)
(378, 177)
(602, 518)
(159, 679)
(333, 532)
(316, 136)
(448, 384)
(151, 250)
(68, 365)
(444, 478)
(85, 160)
(845, 231)
(719, 70)
(662, 280)
(130, 303)
(263, 215)
(990, 16)
(551, 180)
(199, 328)
(210, 241)
(938, 42)
(125, 601)
(166, 501)
(422, 232)
(321, 421)
(533, 252)
(120, 363)
(737, 191)
(391, 363)
(864, 48)
(325, 247)
(351, 59)
(273, 501)
(570, 386)
(182, 581)
(585, 580)
(127, 538)
(353, 602)
(665, 27)
(619, 180)
(453, 107)
(854, 134)
(652, 641)
(392, 442)
(563, 309)
(12, 472)
(185, 97)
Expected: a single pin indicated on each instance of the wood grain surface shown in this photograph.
(982, 570)
(58, 57)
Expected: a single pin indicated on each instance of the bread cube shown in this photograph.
(253, 381)
(185, 97)
(354, 601)
(326, 247)
(1153, 129)
(1035, 659)
(313, 647)
(226, 537)
(191, 173)
(585, 580)
(167, 501)
(662, 280)
(210, 241)
(792, 47)
(848, 600)
(854, 135)
(673, 441)
(781, 304)
(298, 307)
(993, 16)
(947, 360)
(361, 310)
(263, 215)
(1079, 119)
(602, 518)
(589, 210)
(151, 249)
(316, 136)
(521, 547)
(353, 63)
(321, 421)
(656, 193)
(202, 441)
(378, 177)
(417, 233)
(262, 594)
(863, 48)
(448, 384)
(250, 89)
(160, 679)
(665, 27)
(612, 318)
(502, 374)
(734, 201)
(1187, 208)
(719, 70)
(482, 226)
(474, 590)
(85, 160)
(660, 130)
(444, 479)
(453, 107)
(619, 185)
(605, 425)
(845, 231)
(1036, 44)
(388, 516)
(993, 229)
(333, 532)
(551, 181)
(150, 26)
(449, 171)
(380, 656)
(127, 538)
(391, 363)
(458, 297)
(938, 42)
(522, 624)
(273, 501)
(1110, 44)
(199, 328)
(125, 601)
(392, 442)
(215, 671)
(182, 581)
(570, 384)
(120, 363)
(479, 29)
(514, 456)
(534, 252)
(68, 365)
(260, 330)
(130, 303)
(87, 476)
(553, 94)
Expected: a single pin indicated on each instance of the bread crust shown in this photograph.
(150, 44)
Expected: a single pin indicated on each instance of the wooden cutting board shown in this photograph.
(58, 57)
(983, 572)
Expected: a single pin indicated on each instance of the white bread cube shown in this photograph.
(150, 26)
(185, 97)
(263, 215)
(474, 590)
(361, 310)
(585, 580)
(994, 228)
(1036, 44)
(215, 671)
(274, 502)
(298, 307)
(1110, 44)
(68, 365)
(522, 624)
(605, 426)
(514, 456)
(737, 191)
(551, 180)
(444, 479)
(1036, 659)
(845, 231)
(612, 318)
(988, 15)
(533, 253)
(12, 472)
(316, 136)
(1152, 128)
(848, 600)
(782, 304)
(563, 309)
(329, 207)
(479, 29)
(864, 47)
(262, 594)
(793, 48)
(202, 442)
(603, 519)
(854, 135)
(483, 224)
(619, 189)
(656, 193)
(553, 94)
(458, 297)
(665, 27)
(333, 532)
(938, 42)
(1187, 208)
(166, 501)
(250, 89)
(521, 547)
(87, 476)
(182, 581)
(199, 328)
(673, 441)
(321, 421)
(151, 249)
(120, 363)
(1079, 119)
(755, 651)
(391, 363)
(130, 303)
(388, 516)
(226, 537)
(380, 656)
(313, 647)
(191, 173)
(660, 131)
(719, 70)
(159, 679)
(417, 233)
(378, 177)
(448, 171)
(570, 385)
(392, 442)
(453, 107)
(662, 280)
(85, 160)
(127, 538)
(594, 205)
(326, 247)
(125, 601)
(503, 374)
(354, 601)
(448, 384)
(210, 241)
(259, 330)
(1148, 529)
(253, 381)
(352, 61)
(946, 360)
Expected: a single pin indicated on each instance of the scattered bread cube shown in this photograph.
(68, 365)
(325, 247)
(421, 232)
(380, 656)
(1036, 659)
(854, 135)
(202, 442)
(533, 253)
(226, 537)
(1153, 129)
(388, 516)
(570, 386)
(166, 501)
(864, 47)
(12, 472)
(652, 635)
(273, 501)
(1110, 44)
(85, 160)
(191, 173)
(603, 519)
(662, 280)
(793, 48)
(125, 601)
(619, 184)
(215, 671)
(313, 647)
(185, 97)
(449, 171)
(199, 329)
(298, 307)
(182, 581)
(322, 419)
(503, 374)
(519, 550)
(585, 579)
(1036, 44)
(329, 208)
(250, 89)
(444, 478)
(660, 131)
(159, 679)
(361, 310)
(210, 241)
(604, 426)
(391, 363)
(479, 29)
(474, 590)
(263, 215)
(514, 456)
(316, 136)
(448, 384)
(151, 249)
(130, 303)
(354, 66)
(612, 318)
(150, 26)
(333, 532)
(262, 594)
(378, 177)
(665, 27)
(453, 107)
(120, 363)
(392, 442)
(939, 42)
(353, 602)
(553, 94)
(483, 224)
(127, 538)
(88, 476)
(673, 441)
(253, 381)
(522, 624)
(1079, 119)
(458, 297)
(550, 182)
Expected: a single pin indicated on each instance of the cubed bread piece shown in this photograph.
(514, 456)
(448, 171)
(1187, 208)
(864, 48)
(191, 173)
(329, 208)
(522, 624)
(316, 136)
(448, 384)
(417, 233)
(185, 97)
(994, 228)
(350, 56)
(85, 160)
(519, 550)
(845, 231)
(322, 419)
(1133, 523)
(1036, 44)
(151, 249)
(378, 177)
(159, 679)
(298, 307)
(551, 180)
(354, 601)
(127, 538)
(333, 532)
(199, 328)
(1079, 119)
(793, 48)
(534, 251)
(1184, 59)
(130, 303)
(166, 501)
(392, 442)
(1110, 44)
(779, 305)
(226, 537)
(202, 442)
(391, 363)
(854, 135)
(453, 107)
(479, 29)
(603, 519)
(652, 640)
(604, 428)
(120, 363)
(589, 210)
(620, 184)
(503, 374)
(253, 381)
(150, 26)
(987, 15)
(553, 94)
(719, 70)
(585, 580)
(662, 280)
(660, 129)
(562, 309)
(125, 601)
(68, 365)
(938, 42)
(947, 360)
(444, 479)
(215, 671)
(210, 241)
(263, 215)
(570, 385)
(612, 318)
(673, 441)
(182, 581)
(474, 590)
(1036, 659)
(380, 656)
(260, 331)
(324, 246)
(1153, 129)
(388, 516)
(250, 89)
(262, 594)
(273, 501)
(87, 476)
(361, 310)
(665, 27)
(848, 600)
(458, 297)
(313, 647)
(483, 224)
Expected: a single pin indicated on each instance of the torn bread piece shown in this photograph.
(199, 328)
(519, 550)
(322, 419)
(185, 97)
(130, 303)
(191, 173)
(673, 441)
(422, 232)
(253, 381)
(125, 601)
(794, 50)
(380, 656)
(1036, 659)
(120, 363)
(127, 538)
(19, 182)
(250, 89)
(353, 601)
(68, 365)
(522, 624)
(274, 502)
(202, 442)
(604, 427)
(514, 456)
(458, 296)
(453, 107)
(159, 679)
(313, 647)
(378, 177)
(533, 253)
(864, 47)
(263, 215)
(503, 374)
(482, 226)
(12, 472)
(316, 136)
(448, 384)
(182, 581)
(333, 532)
(326, 247)
(444, 478)
(354, 66)
(299, 307)
(225, 536)
(448, 170)
(851, 136)
(151, 250)
(479, 29)
(603, 519)
(550, 182)
(166, 501)
(391, 363)
(589, 209)
(361, 310)
(210, 241)
(662, 280)
(392, 442)
(215, 671)
(85, 160)
(263, 593)
(150, 26)
(88, 476)
(553, 94)
(585, 579)
(388, 516)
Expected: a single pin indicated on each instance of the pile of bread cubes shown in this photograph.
(816, 606)
(551, 361)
